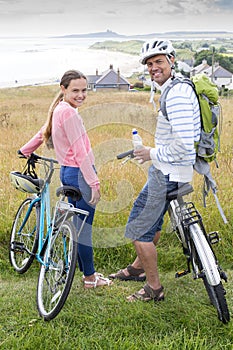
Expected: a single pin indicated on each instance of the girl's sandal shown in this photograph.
(147, 293)
(97, 274)
(99, 282)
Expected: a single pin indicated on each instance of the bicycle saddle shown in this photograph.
(180, 191)
(69, 191)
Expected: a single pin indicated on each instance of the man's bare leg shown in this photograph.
(147, 254)
(137, 264)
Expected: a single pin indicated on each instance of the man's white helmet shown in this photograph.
(156, 47)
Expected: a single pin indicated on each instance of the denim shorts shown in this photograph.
(147, 214)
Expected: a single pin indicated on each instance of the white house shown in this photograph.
(201, 68)
(219, 75)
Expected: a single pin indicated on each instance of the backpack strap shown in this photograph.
(163, 97)
(152, 94)
(203, 168)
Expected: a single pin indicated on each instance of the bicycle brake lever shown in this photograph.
(126, 160)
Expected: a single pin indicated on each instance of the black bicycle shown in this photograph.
(197, 245)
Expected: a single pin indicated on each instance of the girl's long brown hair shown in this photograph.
(65, 81)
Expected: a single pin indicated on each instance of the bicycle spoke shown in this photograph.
(24, 237)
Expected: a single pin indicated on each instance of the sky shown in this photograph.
(127, 17)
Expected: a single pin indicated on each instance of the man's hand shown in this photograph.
(142, 154)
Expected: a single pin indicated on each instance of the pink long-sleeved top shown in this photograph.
(71, 142)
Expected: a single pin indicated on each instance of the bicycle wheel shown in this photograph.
(56, 275)
(204, 258)
(24, 236)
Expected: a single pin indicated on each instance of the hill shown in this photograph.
(171, 35)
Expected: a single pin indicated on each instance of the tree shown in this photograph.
(222, 49)
(184, 45)
(203, 55)
(224, 61)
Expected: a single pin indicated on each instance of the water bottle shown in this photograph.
(137, 142)
(136, 139)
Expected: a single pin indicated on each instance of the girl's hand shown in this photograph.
(95, 197)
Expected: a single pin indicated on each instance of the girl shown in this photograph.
(64, 131)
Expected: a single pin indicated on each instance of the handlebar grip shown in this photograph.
(32, 156)
(126, 154)
(21, 155)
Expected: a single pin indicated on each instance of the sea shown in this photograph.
(43, 60)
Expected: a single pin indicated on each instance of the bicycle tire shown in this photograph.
(56, 277)
(216, 293)
(218, 300)
(23, 246)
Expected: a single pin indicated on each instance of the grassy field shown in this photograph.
(101, 318)
(134, 46)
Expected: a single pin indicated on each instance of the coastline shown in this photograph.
(86, 60)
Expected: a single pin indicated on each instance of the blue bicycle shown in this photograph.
(47, 235)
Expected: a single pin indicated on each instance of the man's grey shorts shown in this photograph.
(147, 214)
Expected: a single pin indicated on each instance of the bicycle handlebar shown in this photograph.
(36, 157)
(126, 154)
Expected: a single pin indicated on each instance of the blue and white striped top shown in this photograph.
(174, 151)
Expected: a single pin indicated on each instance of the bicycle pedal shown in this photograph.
(214, 237)
(17, 247)
(181, 273)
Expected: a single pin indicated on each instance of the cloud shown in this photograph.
(224, 4)
(189, 7)
(164, 7)
(122, 16)
(27, 7)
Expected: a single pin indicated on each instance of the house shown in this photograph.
(183, 66)
(201, 68)
(110, 79)
(219, 75)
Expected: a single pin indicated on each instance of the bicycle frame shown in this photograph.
(44, 209)
(42, 200)
(36, 200)
(66, 211)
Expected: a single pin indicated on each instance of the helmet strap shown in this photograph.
(152, 93)
(172, 65)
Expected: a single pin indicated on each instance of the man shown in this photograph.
(172, 164)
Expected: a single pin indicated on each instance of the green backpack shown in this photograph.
(210, 110)
(211, 120)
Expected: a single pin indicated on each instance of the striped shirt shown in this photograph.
(174, 151)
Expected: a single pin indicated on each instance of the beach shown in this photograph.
(33, 61)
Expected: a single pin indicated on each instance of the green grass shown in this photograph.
(102, 318)
(131, 47)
